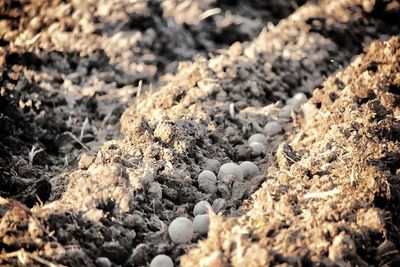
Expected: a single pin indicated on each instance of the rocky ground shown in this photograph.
(109, 110)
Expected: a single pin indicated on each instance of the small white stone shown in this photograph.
(230, 169)
(258, 148)
(161, 261)
(286, 112)
(103, 262)
(272, 128)
(201, 208)
(212, 165)
(207, 175)
(249, 168)
(258, 138)
(207, 182)
(297, 100)
(218, 204)
(201, 223)
(181, 230)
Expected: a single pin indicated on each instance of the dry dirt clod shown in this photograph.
(285, 156)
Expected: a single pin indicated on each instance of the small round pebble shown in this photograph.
(286, 112)
(161, 261)
(201, 208)
(258, 148)
(230, 169)
(218, 204)
(103, 262)
(181, 230)
(272, 128)
(212, 165)
(249, 168)
(207, 181)
(258, 138)
(297, 100)
(201, 223)
(209, 175)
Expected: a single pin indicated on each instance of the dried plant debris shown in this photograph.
(335, 201)
(284, 179)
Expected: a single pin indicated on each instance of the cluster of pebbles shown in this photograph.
(258, 141)
(182, 229)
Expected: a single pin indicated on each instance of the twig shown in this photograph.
(85, 123)
(33, 153)
(325, 194)
(139, 90)
(22, 255)
(77, 140)
(209, 13)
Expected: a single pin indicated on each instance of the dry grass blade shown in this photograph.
(325, 194)
(22, 256)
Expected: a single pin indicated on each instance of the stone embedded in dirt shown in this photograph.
(297, 100)
(257, 148)
(218, 204)
(286, 112)
(207, 182)
(201, 223)
(230, 169)
(212, 165)
(181, 230)
(134, 221)
(161, 261)
(103, 262)
(272, 128)
(201, 208)
(257, 138)
(249, 169)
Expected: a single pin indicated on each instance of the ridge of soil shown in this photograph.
(68, 71)
(331, 195)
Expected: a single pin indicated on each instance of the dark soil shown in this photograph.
(76, 191)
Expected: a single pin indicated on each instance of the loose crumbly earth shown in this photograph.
(328, 190)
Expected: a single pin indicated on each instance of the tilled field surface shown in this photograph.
(110, 110)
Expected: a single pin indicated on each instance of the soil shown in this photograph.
(109, 110)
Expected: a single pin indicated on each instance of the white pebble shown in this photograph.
(258, 148)
(249, 168)
(181, 230)
(103, 262)
(218, 204)
(201, 208)
(286, 112)
(258, 138)
(161, 261)
(208, 175)
(230, 169)
(272, 128)
(201, 223)
(207, 182)
(212, 165)
(297, 100)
